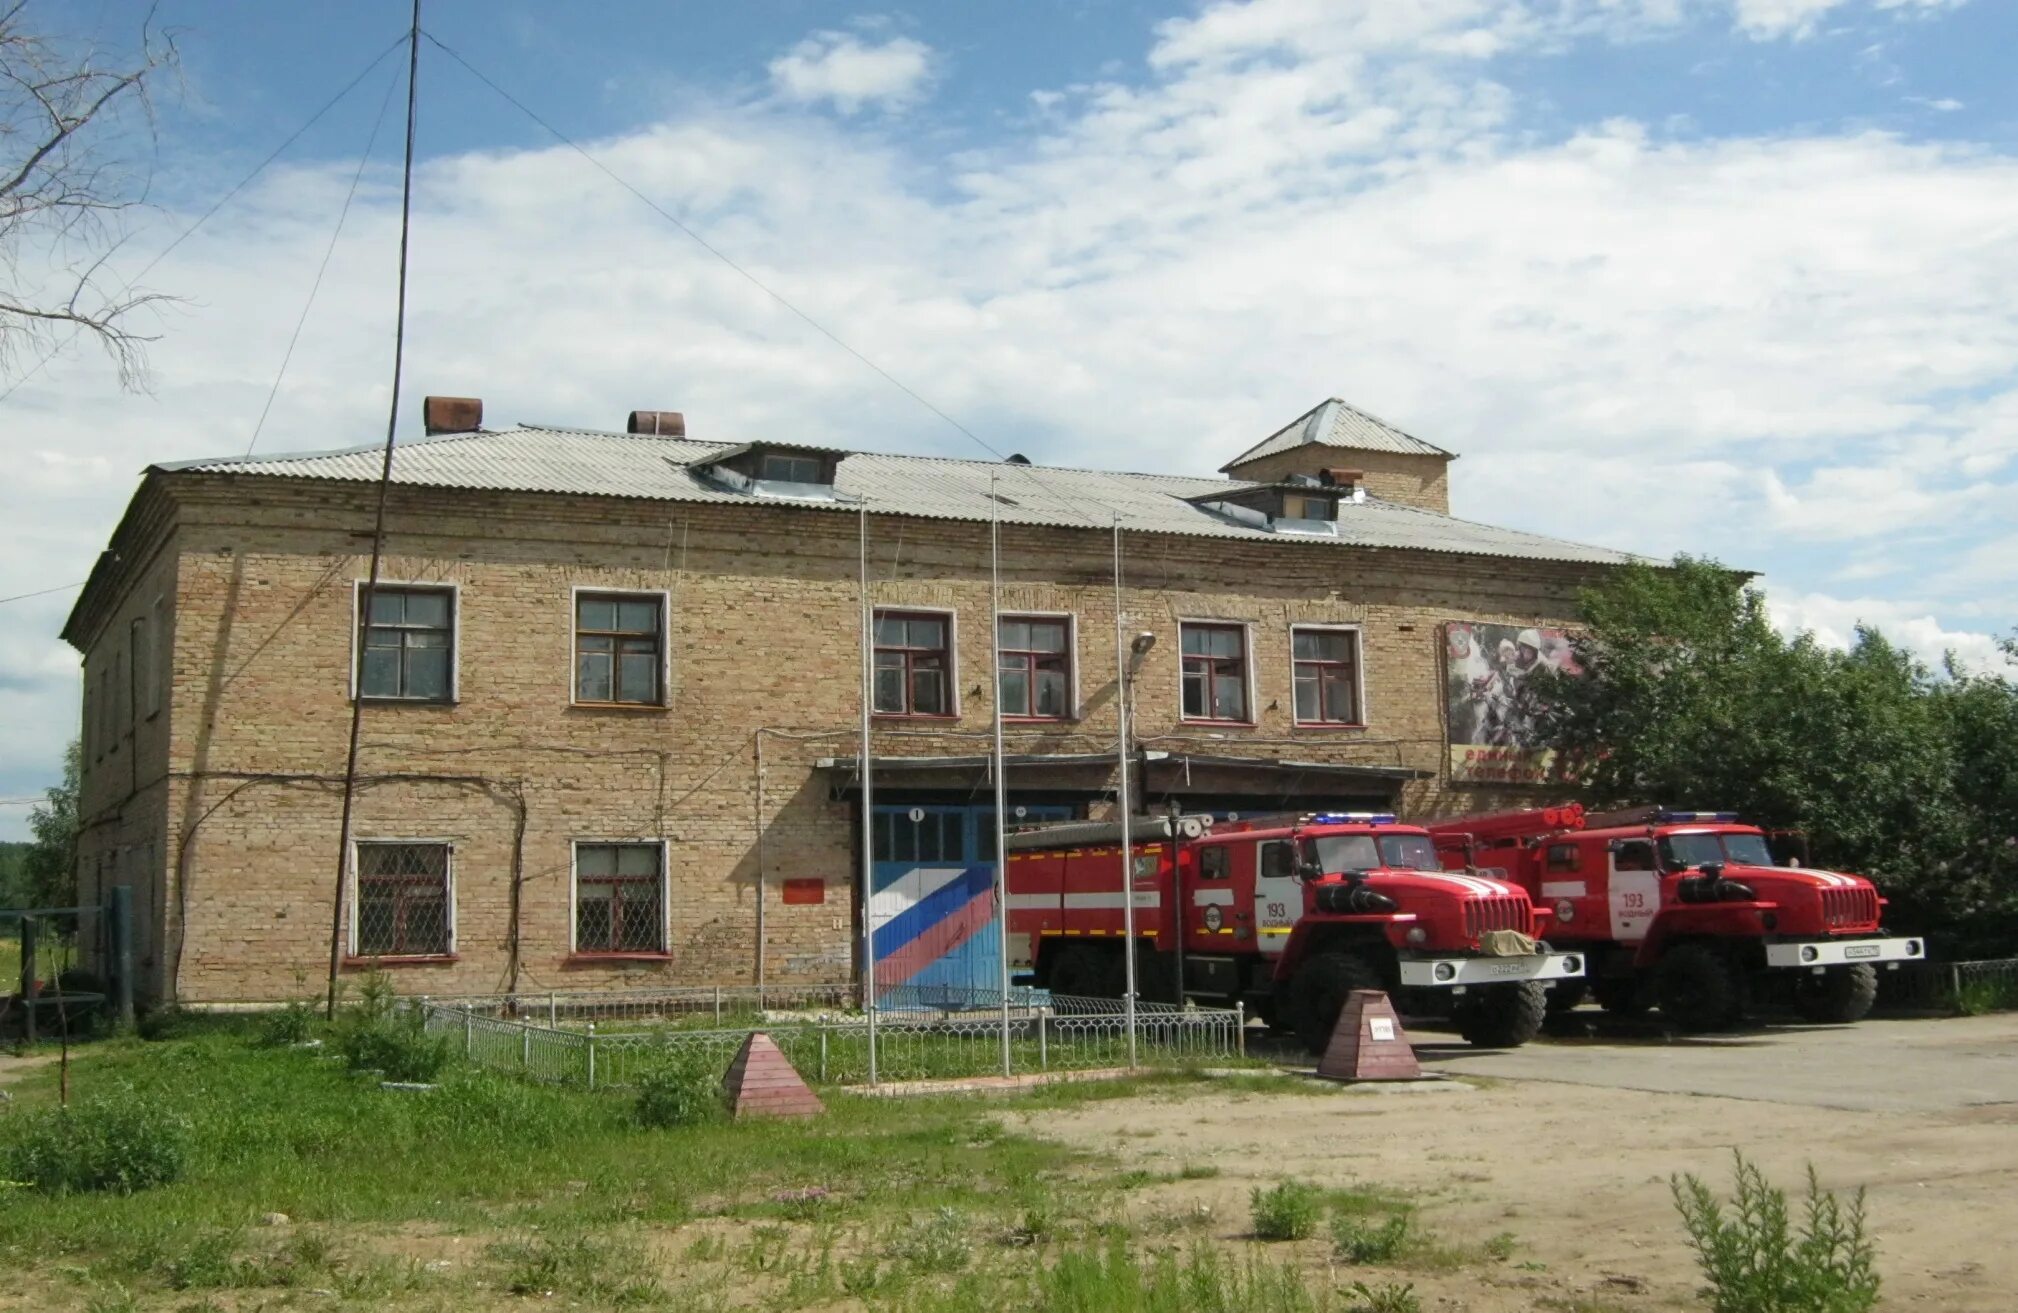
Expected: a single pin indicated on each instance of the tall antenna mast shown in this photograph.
(378, 526)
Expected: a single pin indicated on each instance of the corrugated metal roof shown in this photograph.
(1336, 424)
(582, 462)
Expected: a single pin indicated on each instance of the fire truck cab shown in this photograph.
(1285, 914)
(1690, 910)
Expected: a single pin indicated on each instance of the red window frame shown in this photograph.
(647, 896)
(1325, 673)
(914, 660)
(1208, 670)
(1031, 661)
(406, 890)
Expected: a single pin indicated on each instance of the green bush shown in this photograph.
(1391, 1298)
(376, 1034)
(165, 1022)
(293, 1024)
(1977, 997)
(682, 1089)
(1358, 1242)
(1754, 1260)
(115, 1143)
(1287, 1211)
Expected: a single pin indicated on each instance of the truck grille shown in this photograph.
(1496, 913)
(1850, 909)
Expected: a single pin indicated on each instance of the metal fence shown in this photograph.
(1950, 986)
(953, 1036)
(58, 969)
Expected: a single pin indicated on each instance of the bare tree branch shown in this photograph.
(76, 132)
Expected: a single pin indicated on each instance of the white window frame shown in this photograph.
(665, 847)
(1246, 628)
(1071, 620)
(952, 657)
(454, 638)
(1358, 632)
(356, 889)
(664, 597)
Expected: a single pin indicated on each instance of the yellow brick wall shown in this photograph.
(1392, 476)
(764, 637)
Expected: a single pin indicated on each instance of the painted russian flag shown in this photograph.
(935, 925)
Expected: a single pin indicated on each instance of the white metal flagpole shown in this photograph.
(868, 802)
(1001, 772)
(1126, 797)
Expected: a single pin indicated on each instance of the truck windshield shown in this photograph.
(1338, 853)
(1680, 851)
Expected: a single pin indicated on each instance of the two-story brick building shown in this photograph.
(613, 685)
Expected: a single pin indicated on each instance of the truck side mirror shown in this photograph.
(1308, 868)
(1715, 870)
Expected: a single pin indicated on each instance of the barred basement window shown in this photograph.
(620, 648)
(620, 898)
(402, 900)
(408, 646)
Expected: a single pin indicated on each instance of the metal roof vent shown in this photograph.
(451, 414)
(657, 423)
(1016, 458)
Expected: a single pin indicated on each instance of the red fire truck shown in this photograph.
(1688, 910)
(1287, 914)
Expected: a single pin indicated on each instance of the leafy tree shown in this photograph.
(1692, 698)
(48, 874)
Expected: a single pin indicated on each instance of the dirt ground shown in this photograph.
(1579, 1172)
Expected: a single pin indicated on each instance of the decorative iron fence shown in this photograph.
(1983, 986)
(1044, 1034)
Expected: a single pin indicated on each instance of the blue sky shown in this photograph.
(1735, 277)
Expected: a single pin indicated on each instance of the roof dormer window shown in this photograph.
(775, 469)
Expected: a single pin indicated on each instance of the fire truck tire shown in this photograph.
(1503, 1016)
(1318, 991)
(1083, 971)
(1621, 996)
(1564, 995)
(1699, 988)
(1838, 996)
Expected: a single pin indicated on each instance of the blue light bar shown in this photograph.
(1351, 818)
(1722, 818)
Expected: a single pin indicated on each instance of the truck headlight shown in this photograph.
(1809, 952)
(1566, 911)
(1446, 971)
(1912, 948)
(1573, 964)
(1416, 936)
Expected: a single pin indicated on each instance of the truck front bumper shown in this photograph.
(1447, 972)
(1818, 953)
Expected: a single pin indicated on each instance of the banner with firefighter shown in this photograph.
(1492, 705)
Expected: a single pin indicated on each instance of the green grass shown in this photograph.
(1977, 997)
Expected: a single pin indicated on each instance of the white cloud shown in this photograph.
(1834, 622)
(841, 68)
(1731, 347)
(1768, 19)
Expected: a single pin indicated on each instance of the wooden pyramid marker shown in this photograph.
(1368, 1043)
(762, 1082)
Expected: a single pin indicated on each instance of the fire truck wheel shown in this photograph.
(1567, 994)
(1503, 1016)
(1620, 995)
(1838, 996)
(1082, 971)
(1698, 988)
(1317, 994)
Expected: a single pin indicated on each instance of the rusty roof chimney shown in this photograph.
(452, 414)
(663, 423)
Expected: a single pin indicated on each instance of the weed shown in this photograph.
(1287, 1210)
(293, 1024)
(940, 1244)
(595, 1268)
(1357, 1242)
(1197, 1172)
(208, 1262)
(375, 1034)
(683, 1088)
(1391, 1298)
(115, 1299)
(1976, 997)
(861, 1276)
(116, 1143)
(1500, 1247)
(1756, 1263)
(1036, 1227)
(767, 1249)
(1097, 1281)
